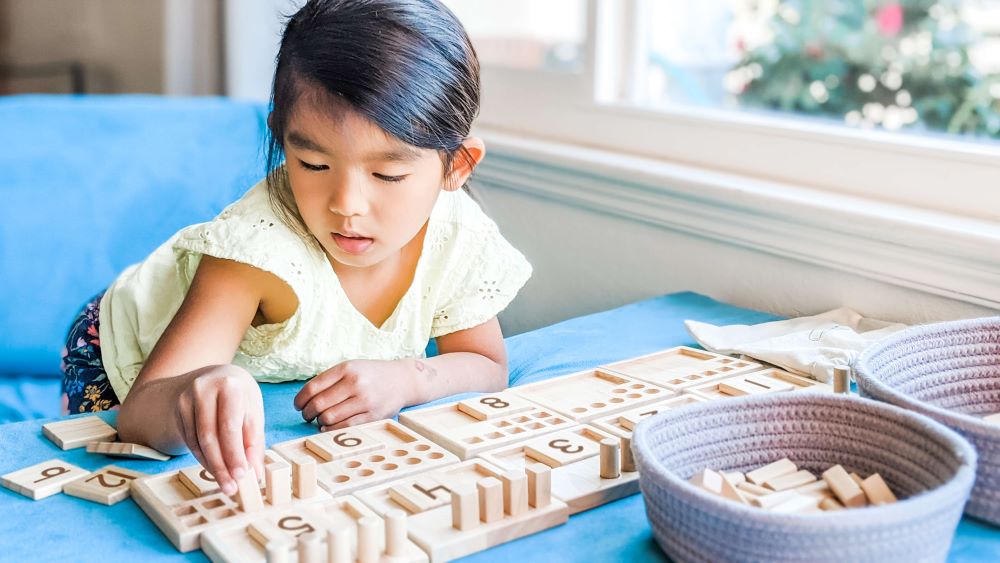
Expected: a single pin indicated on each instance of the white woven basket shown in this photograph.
(929, 467)
(951, 373)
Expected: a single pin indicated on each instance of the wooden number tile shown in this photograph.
(198, 480)
(494, 406)
(564, 447)
(109, 485)
(994, 418)
(42, 480)
(126, 450)
(421, 494)
(778, 468)
(77, 432)
(338, 444)
(753, 385)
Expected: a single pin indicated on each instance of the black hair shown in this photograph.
(406, 65)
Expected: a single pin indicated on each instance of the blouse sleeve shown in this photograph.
(486, 279)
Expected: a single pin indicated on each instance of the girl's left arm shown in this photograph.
(359, 391)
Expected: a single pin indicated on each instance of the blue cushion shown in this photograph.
(92, 184)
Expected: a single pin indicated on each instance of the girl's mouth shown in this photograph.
(352, 245)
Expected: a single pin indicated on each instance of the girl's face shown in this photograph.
(362, 193)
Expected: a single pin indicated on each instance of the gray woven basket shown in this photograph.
(930, 468)
(951, 373)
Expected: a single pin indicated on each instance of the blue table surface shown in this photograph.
(64, 528)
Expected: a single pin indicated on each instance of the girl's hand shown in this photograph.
(355, 392)
(220, 414)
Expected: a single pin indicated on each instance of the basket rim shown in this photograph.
(958, 486)
(878, 388)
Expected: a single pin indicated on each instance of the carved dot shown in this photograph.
(494, 435)
(634, 396)
(541, 414)
(579, 409)
(637, 386)
(376, 458)
(435, 455)
(389, 467)
(412, 460)
(365, 472)
(598, 405)
(619, 390)
(341, 479)
(422, 447)
(616, 400)
(352, 464)
(400, 453)
(651, 391)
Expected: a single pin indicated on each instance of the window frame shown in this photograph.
(591, 108)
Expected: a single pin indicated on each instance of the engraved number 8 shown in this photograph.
(495, 402)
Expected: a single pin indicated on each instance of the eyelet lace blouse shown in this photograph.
(466, 274)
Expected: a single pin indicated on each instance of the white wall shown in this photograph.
(253, 34)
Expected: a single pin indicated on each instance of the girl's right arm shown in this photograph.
(187, 394)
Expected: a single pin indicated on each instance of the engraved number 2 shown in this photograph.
(495, 402)
(566, 447)
(104, 483)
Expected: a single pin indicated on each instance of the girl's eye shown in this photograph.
(313, 167)
(385, 178)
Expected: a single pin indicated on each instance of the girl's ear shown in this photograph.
(469, 155)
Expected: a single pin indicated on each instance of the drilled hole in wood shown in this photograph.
(377, 458)
(473, 440)
(598, 405)
(634, 396)
(435, 455)
(389, 467)
(579, 409)
(536, 426)
(542, 414)
(637, 386)
(341, 479)
(619, 390)
(352, 464)
(494, 435)
(616, 400)
(412, 460)
(400, 453)
(366, 472)
(422, 447)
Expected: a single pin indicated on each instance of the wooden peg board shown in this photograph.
(470, 427)
(432, 528)
(755, 383)
(574, 457)
(183, 516)
(246, 542)
(586, 395)
(366, 455)
(681, 367)
(622, 424)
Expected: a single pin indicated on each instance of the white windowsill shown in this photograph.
(942, 254)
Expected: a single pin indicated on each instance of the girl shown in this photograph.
(337, 268)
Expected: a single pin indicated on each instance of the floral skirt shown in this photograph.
(85, 385)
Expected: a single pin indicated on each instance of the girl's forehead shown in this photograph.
(337, 126)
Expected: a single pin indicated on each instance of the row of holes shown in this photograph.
(364, 470)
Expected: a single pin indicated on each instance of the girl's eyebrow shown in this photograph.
(399, 153)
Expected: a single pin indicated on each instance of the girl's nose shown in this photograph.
(349, 197)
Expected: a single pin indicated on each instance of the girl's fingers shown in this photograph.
(185, 421)
(231, 414)
(317, 384)
(359, 418)
(340, 412)
(206, 424)
(253, 439)
(325, 400)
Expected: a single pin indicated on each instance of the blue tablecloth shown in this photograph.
(63, 528)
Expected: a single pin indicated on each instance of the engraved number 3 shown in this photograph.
(565, 447)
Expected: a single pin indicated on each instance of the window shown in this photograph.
(744, 87)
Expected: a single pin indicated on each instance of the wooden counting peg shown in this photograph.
(279, 484)
(770, 471)
(395, 533)
(628, 460)
(278, 551)
(311, 548)
(304, 477)
(515, 492)
(490, 499)
(464, 507)
(338, 543)
(610, 460)
(248, 492)
(847, 491)
(368, 536)
(539, 484)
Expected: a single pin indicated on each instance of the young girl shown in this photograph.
(337, 268)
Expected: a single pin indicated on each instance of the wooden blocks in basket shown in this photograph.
(783, 487)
